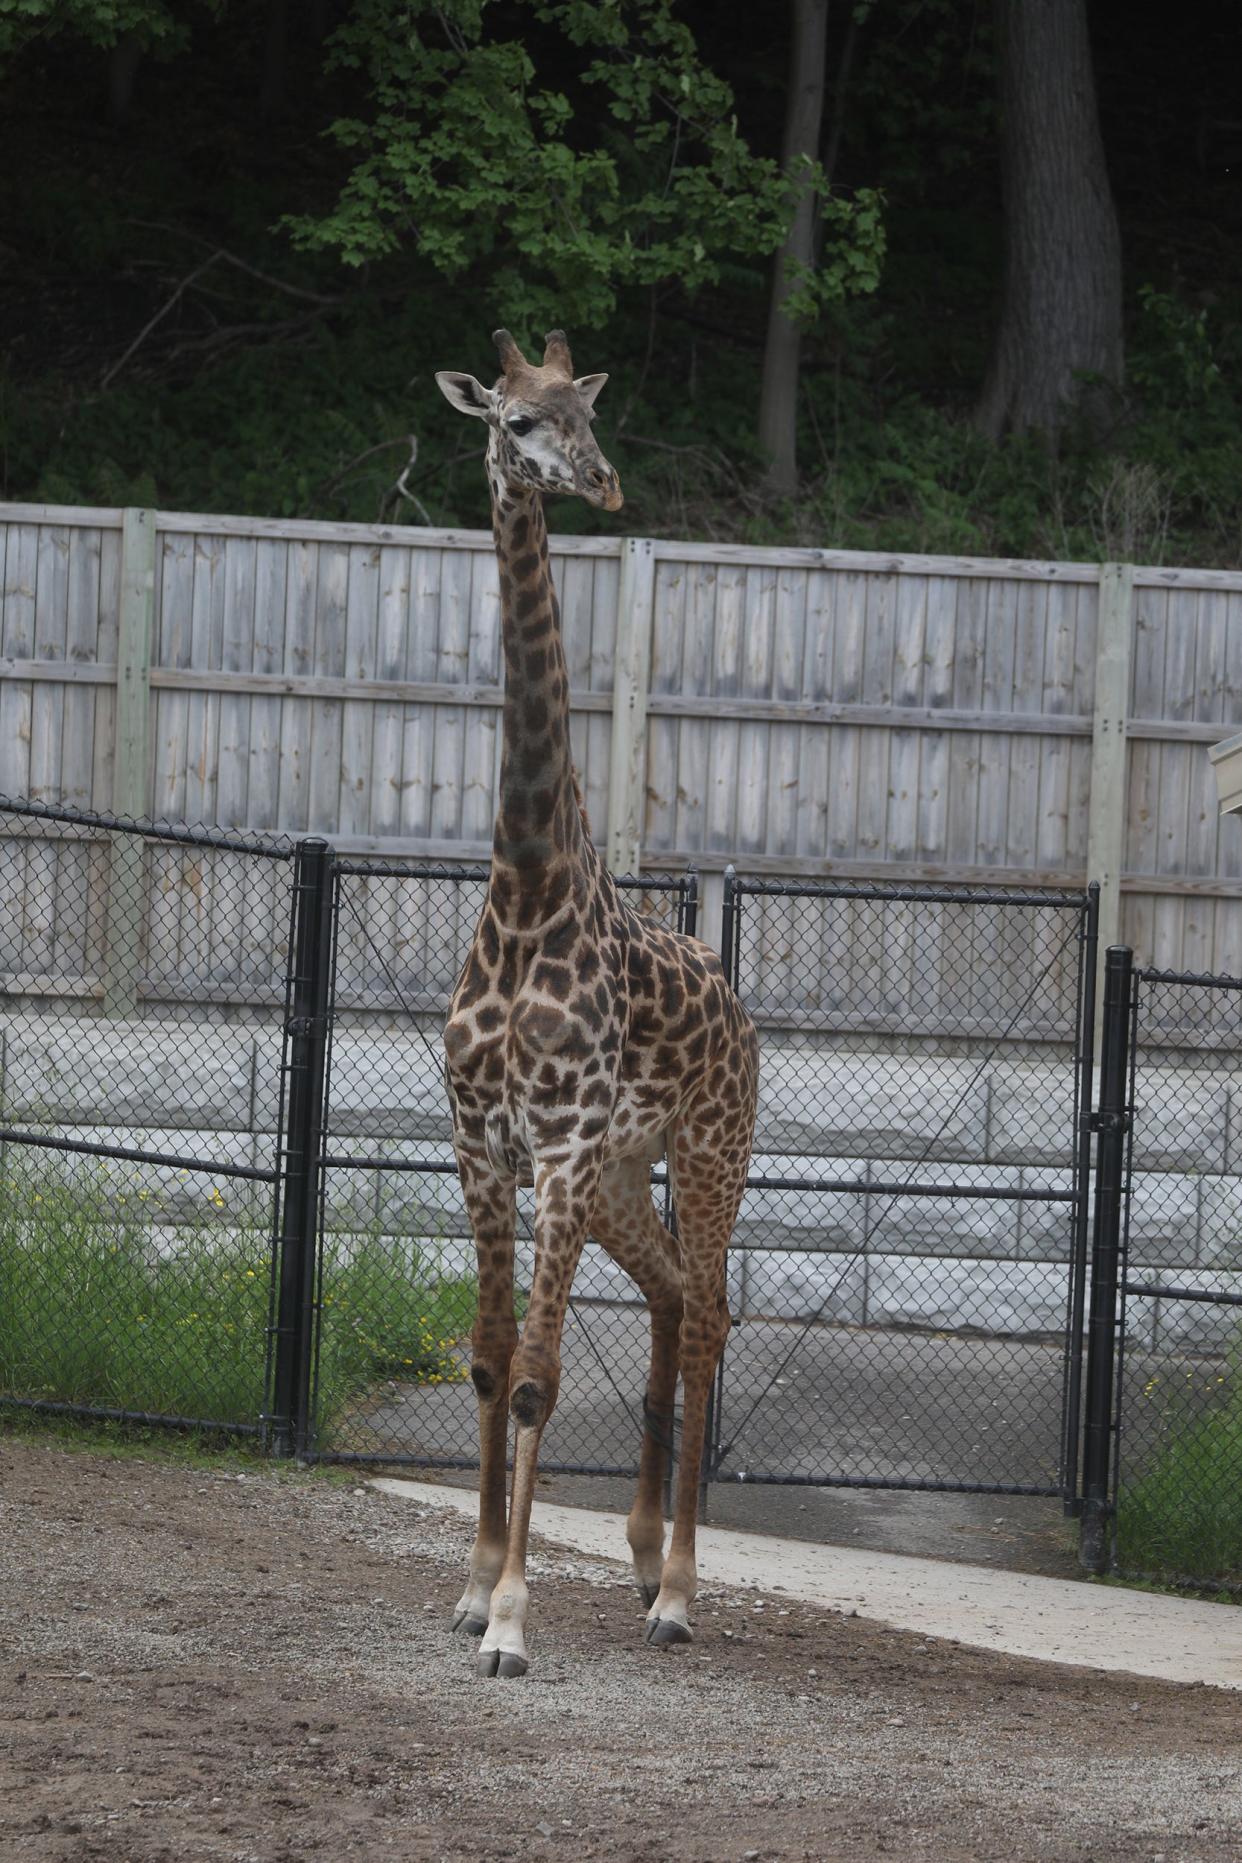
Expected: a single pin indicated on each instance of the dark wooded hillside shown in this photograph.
(209, 301)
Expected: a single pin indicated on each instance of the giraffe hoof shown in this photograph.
(464, 1625)
(648, 1594)
(665, 1630)
(501, 1663)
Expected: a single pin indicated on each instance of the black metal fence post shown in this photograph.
(1110, 1122)
(1071, 1405)
(690, 903)
(715, 1400)
(306, 1029)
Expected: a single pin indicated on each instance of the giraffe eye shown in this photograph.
(520, 424)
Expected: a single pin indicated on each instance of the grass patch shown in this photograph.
(386, 1315)
(102, 1305)
(1181, 1518)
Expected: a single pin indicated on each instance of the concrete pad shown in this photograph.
(1050, 1619)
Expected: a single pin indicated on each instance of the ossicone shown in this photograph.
(556, 352)
(511, 356)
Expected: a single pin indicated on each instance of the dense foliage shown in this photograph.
(238, 240)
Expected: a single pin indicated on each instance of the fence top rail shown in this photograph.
(681, 883)
(912, 894)
(407, 536)
(1195, 979)
(193, 834)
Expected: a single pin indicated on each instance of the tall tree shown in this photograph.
(1060, 332)
(778, 394)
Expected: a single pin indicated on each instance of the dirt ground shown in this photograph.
(196, 1663)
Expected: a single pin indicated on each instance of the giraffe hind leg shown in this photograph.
(627, 1226)
(708, 1158)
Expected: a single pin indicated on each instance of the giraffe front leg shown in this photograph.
(564, 1201)
(492, 1208)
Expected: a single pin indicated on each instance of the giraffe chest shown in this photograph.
(543, 1079)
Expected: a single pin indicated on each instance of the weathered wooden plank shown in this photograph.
(327, 716)
(417, 727)
(411, 536)
(51, 624)
(910, 642)
(481, 767)
(1106, 831)
(720, 788)
(171, 646)
(296, 714)
(51, 619)
(237, 649)
(692, 737)
(354, 804)
(452, 661)
(605, 595)
(940, 641)
(785, 770)
(627, 771)
(126, 904)
(81, 647)
(17, 600)
(884, 563)
(1150, 627)
(994, 753)
(933, 793)
(93, 517)
(755, 801)
(104, 759)
(663, 734)
(194, 881)
(878, 640)
(1055, 754)
(271, 571)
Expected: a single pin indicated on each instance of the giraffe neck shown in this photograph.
(539, 846)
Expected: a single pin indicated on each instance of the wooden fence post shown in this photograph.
(1106, 818)
(126, 887)
(627, 766)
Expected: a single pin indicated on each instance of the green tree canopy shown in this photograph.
(576, 147)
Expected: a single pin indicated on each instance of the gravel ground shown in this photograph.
(201, 1664)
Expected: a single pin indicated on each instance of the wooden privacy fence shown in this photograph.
(796, 711)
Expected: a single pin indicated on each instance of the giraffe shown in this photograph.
(583, 1043)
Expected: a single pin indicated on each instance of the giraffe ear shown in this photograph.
(588, 387)
(465, 394)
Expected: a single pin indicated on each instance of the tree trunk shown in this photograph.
(1061, 304)
(275, 61)
(123, 62)
(778, 396)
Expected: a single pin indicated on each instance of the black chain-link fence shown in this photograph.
(229, 1192)
(142, 1004)
(1179, 1466)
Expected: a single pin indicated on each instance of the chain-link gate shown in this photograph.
(396, 1273)
(908, 1273)
(1178, 1416)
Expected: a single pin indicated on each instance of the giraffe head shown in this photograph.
(540, 422)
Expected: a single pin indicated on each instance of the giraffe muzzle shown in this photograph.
(599, 485)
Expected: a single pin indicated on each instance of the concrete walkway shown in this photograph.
(1051, 1619)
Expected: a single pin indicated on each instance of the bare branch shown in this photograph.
(242, 265)
(159, 316)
